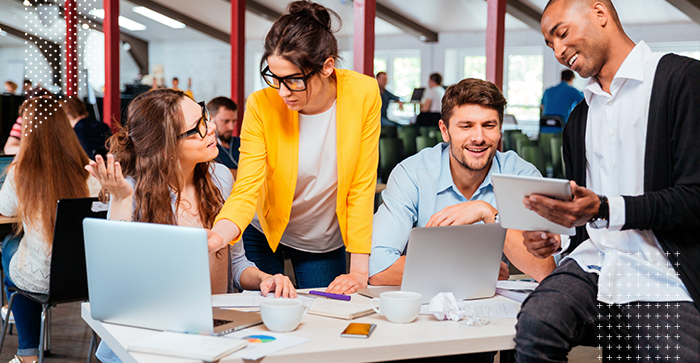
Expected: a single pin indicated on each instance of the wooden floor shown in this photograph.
(70, 340)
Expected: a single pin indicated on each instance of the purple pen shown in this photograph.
(330, 296)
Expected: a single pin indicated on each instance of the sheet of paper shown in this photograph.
(247, 299)
(516, 285)
(499, 309)
(261, 344)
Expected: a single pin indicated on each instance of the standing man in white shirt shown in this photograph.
(631, 285)
(431, 106)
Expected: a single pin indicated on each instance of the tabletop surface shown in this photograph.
(424, 337)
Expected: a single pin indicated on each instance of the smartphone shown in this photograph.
(358, 330)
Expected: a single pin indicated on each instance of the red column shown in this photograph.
(238, 58)
(112, 105)
(363, 38)
(71, 48)
(495, 35)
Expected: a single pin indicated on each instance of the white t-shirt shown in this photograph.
(313, 222)
(30, 266)
(434, 94)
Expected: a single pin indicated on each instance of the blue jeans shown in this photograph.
(564, 312)
(310, 269)
(27, 313)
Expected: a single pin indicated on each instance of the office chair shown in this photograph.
(68, 272)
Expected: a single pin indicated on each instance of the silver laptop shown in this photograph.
(154, 276)
(464, 260)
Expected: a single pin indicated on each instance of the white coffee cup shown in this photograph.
(398, 306)
(282, 315)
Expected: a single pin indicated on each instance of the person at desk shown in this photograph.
(10, 88)
(387, 97)
(188, 92)
(562, 98)
(92, 134)
(451, 184)
(432, 102)
(631, 283)
(223, 114)
(50, 152)
(309, 156)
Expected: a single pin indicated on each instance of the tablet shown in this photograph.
(510, 191)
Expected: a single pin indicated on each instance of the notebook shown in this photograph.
(203, 347)
(154, 276)
(340, 309)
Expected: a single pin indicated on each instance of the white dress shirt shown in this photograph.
(631, 264)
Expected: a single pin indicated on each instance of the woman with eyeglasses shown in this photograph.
(308, 159)
(159, 170)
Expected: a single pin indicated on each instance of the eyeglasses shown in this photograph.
(293, 83)
(202, 127)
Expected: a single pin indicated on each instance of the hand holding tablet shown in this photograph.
(510, 191)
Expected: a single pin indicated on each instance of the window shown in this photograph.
(523, 85)
(688, 49)
(403, 69)
(474, 66)
(464, 63)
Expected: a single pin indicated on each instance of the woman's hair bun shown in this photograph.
(315, 11)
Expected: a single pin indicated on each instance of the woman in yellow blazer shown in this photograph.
(308, 159)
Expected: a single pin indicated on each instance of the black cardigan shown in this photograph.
(670, 205)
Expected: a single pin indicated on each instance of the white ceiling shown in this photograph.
(438, 15)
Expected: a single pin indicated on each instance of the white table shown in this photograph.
(425, 337)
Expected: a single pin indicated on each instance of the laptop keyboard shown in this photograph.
(220, 322)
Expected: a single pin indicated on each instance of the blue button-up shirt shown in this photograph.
(421, 186)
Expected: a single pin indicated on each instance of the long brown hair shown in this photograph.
(148, 149)
(49, 166)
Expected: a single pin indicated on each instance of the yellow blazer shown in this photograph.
(269, 159)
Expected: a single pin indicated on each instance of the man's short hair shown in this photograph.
(379, 74)
(473, 91)
(218, 102)
(176, 79)
(437, 78)
(567, 75)
(27, 81)
(74, 107)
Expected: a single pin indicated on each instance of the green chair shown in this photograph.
(509, 137)
(557, 157)
(425, 141)
(424, 131)
(388, 132)
(534, 155)
(408, 136)
(390, 154)
(521, 142)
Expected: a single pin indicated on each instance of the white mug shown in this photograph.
(398, 306)
(282, 315)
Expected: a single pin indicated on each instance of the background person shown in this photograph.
(92, 134)
(313, 192)
(50, 152)
(223, 114)
(387, 97)
(10, 87)
(13, 142)
(561, 99)
(432, 102)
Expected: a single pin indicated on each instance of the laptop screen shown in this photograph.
(417, 95)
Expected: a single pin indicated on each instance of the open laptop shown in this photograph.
(154, 276)
(5, 161)
(464, 260)
(417, 94)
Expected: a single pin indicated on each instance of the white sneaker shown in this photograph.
(16, 358)
(3, 312)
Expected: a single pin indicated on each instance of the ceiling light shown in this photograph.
(86, 26)
(142, 10)
(3, 33)
(125, 23)
(26, 3)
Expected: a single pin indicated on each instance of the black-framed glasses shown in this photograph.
(293, 83)
(202, 127)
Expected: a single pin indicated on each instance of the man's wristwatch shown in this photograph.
(602, 219)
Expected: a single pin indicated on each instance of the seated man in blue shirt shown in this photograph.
(451, 184)
(561, 99)
(223, 114)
